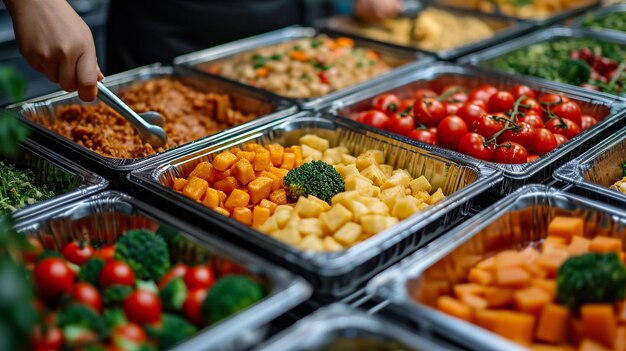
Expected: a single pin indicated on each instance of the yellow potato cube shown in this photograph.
(315, 142)
(358, 209)
(423, 206)
(402, 171)
(374, 174)
(373, 224)
(405, 207)
(310, 226)
(345, 198)
(269, 226)
(420, 184)
(387, 170)
(311, 243)
(307, 208)
(331, 244)
(390, 195)
(400, 178)
(282, 217)
(319, 201)
(347, 170)
(290, 236)
(308, 159)
(348, 159)
(336, 217)
(348, 233)
(436, 197)
(360, 184)
(364, 161)
(311, 154)
(421, 195)
(390, 222)
(377, 154)
(378, 207)
(332, 156)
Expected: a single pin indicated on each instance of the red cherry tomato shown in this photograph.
(225, 267)
(456, 94)
(544, 142)
(530, 104)
(116, 272)
(587, 122)
(471, 113)
(560, 139)
(480, 103)
(192, 307)
(106, 252)
(429, 111)
(525, 136)
(386, 103)
(52, 340)
(323, 77)
(531, 158)
(483, 93)
(567, 128)
(520, 90)
(178, 270)
(533, 119)
(199, 277)
(488, 125)
(424, 136)
(452, 108)
(401, 123)
(552, 100)
(77, 253)
(87, 294)
(31, 252)
(450, 131)
(510, 153)
(425, 93)
(605, 65)
(142, 306)
(472, 144)
(501, 101)
(53, 277)
(128, 332)
(406, 105)
(375, 119)
(569, 110)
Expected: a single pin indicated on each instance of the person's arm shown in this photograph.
(56, 42)
(376, 10)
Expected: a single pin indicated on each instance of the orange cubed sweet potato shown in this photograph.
(547, 285)
(276, 182)
(205, 170)
(289, 160)
(468, 289)
(548, 347)
(480, 276)
(551, 242)
(474, 301)
(509, 258)
(260, 189)
(599, 323)
(553, 324)
(242, 170)
(222, 211)
(242, 215)
(227, 185)
(248, 155)
(237, 198)
(253, 147)
(279, 196)
(224, 160)
(535, 270)
(179, 183)
(276, 154)
(265, 203)
(262, 161)
(297, 151)
(515, 326)
(486, 318)
(566, 227)
(235, 150)
(222, 175)
(553, 260)
(591, 345)
(488, 264)
(279, 172)
(195, 188)
(578, 246)
(531, 300)
(620, 339)
(211, 198)
(512, 277)
(603, 244)
(259, 216)
(455, 308)
(498, 297)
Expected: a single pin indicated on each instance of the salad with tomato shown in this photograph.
(512, 126)
(139, 293)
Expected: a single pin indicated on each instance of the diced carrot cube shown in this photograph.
(195, 188)
(254, 147)
(260, 189)
(222, 211)
(529, 255)
(468, 289)
(224, 160)
(242, 215)
(578, 246)
(259, 216)
(237, 198)
(265, 203)
(227, 185)
(297, 151)
(276, 182)
(547, 285)
(243, 171)
(551, 242)
(205, 170)
(276, 154)
(536, 270)
(248, 155)
(599, 323)
(222, 175)
(488, 264)
(498, 297)
(279, 172)
(566, 227)
(620, 339)
(604, 244)
(179, 183)
(235, 150)
(552, 261)
(591, 345)
(486, 318)
(553, 324)
(279, 196)
(531, 300)
(512, 277)
(262, 161)
(211, 198)
(509, 258)
(473, 301)
(515, 326)
(480, 276)
(454, 308)
(289, 160)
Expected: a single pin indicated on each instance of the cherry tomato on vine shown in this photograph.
(129, 332)
(386, 103)
(192, 307)
(544, 142)
(488, 125)
(424, 136)
(533, 119)
(587, 122)
(450, 131)
(51, 340)
(455, 94)
(560, 139)
(471, 113)
(143, 306)
(53, 276)
(429, 111)
(482, 93)
(199, 277)
(480, 103)
(530, 104)
(520, 90)
(424, 93)
(106, 252)
(569, 110)
(375, 119)
(531, 158)
(550, 101)
(510, 153)
(525, 136)
(87, 294)
(116, 272)
(77, 253)
(563, 126)
(473, 144)
(452, 108)
(501, 101)
(33, 250)
(401, 123)
(178, 270)
(406, 106)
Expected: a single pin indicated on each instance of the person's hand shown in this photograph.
(376, 10)
(56, 42)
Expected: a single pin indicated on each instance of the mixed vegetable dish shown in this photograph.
(20, 188)
(529, 9)
(620, 185)
(614, 20)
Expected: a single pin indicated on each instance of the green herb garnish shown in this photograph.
(18, 188)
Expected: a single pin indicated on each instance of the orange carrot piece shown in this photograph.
(204, 170)
(242, 170)
(566, 227)
(259, 216)
(455, 308)
(179, 183)
(262, 161)
(242, 215)
(498, 297)
(227, 185)
(553, 324)
(604, 244)
(578, 246)
(195, 188)
(515, 326)
(531, 300)
(289, 160)
(276, 182)
(224, 160)
(547, 285)
(276, 154)
(591, 345)
(265, 203)
(279, 197)
(260, 189)
(480, 276)
(248, 155)
(211, 198)
(222, 211)
(237, 198)
(512, 277)
(599, 323)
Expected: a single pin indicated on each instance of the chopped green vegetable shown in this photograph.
(613, 20)
(230, 295)
(146, 253)
(90, 271)
(116, 294)
(591, 278)
(48, 253)
(315, 178)
(173, 294)
(575, 72)
(276, 57)
(81, 325)
(171, 331)
(18, 188)
(316, 43)
(114, 317)
(624, 169)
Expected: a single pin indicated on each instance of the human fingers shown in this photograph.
(87, 76)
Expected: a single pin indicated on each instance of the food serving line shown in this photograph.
(361, 287)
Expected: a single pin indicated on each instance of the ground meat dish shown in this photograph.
(189, 115)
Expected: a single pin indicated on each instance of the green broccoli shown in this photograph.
(114, 317)
(230, 295)
(315, 178)
(170, 331)
(173, 294)
(82, 326)
(116, 294)
(47, 253)
(180, 248)
(624, 169)
(574, 72)
(591, 278)
(90, 271)
(146, 253)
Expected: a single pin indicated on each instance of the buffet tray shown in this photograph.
(591, 173)
(115, 169)
(107, 215)
(400, 58)
(508, 28)
(511, 223)
(51, 167)
(334, 274)
(578, 23)
(340, 327)
(440, 75)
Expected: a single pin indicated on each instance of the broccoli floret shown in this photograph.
(180, 248)
(114, 317)
(315, 178)
(574, 72)
(82, 326)
(90, 271)
(48, 253)
(591, 278)
(116, 294)
(170, 331)
(145, 253)
(230, 295)
(173, 294)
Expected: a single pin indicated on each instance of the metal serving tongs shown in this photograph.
(148, 124)
(410, 10)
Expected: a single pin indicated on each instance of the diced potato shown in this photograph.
(291, 237)
(348, 233)
(331, 244)
(402, 179)
(421, 195)
(310, 153)
(358, 209)
(360, 184)
(311, 226)
(420, 184)
(390, 195)
(315, 142)
(308, 159)
(377, 154)
(322, 203)
(436, 197)
(332, 156)
(402, 171)
(348, 170)
(373, 224)
(345, 198)
(390, 222)
(307, 208)
(374, 174)
(336, 217)
(378, 207)
(348, 159)
(269, 226)
(282, 217)
(364, 161)
(387, 170)
(367, 200)
(405, 207)
(311, 243)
